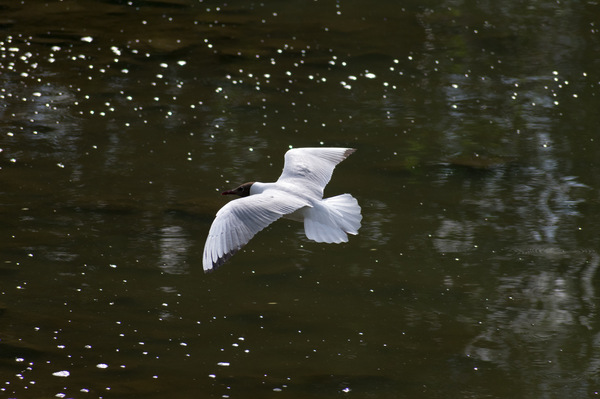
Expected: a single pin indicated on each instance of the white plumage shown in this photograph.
(297, 195)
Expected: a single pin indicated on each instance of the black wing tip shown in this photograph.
(220, 261)
(349, 151)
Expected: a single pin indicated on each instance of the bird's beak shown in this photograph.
(228, 192)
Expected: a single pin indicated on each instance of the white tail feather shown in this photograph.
(330, 219)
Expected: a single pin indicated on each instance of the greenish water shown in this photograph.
(475, 273)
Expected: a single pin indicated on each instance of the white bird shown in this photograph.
(296, 195)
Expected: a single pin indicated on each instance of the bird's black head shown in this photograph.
(242, 191)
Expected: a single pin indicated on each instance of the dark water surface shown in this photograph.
(475, 274)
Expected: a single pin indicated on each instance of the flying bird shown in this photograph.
(296, 195)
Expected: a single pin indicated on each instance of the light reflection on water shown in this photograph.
(476, 170)
(173, 250)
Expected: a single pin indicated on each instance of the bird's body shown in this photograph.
(296, 195)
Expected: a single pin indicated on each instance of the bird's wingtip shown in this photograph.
(349, 151)
(211, 266)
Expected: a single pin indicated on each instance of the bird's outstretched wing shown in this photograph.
(312, 167)
(238, 221)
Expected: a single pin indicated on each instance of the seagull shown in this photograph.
(296, 195)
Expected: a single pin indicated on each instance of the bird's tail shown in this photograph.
(332, 219)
